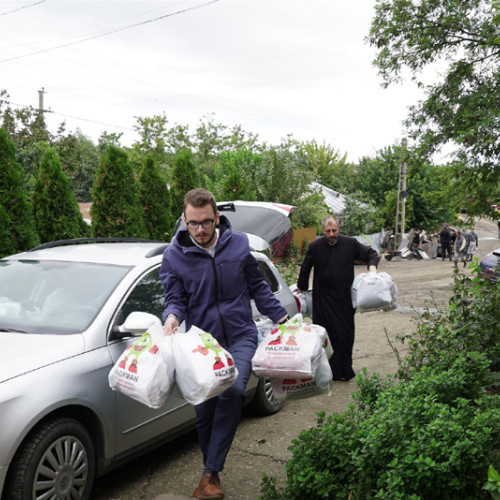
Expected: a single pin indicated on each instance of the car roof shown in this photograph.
(126, 251)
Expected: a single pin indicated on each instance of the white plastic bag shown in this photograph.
(203, 368)
(264, 327)
(325, 339)
(306, 387)
(145, 370)
(374, 291)
(292, 350)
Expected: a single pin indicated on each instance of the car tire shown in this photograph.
(264, 402)
(59, 457)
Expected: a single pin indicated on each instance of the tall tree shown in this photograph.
(79, 159)
(428, 202)
(360, 218)
(152, 142)
(116, 210)
(328, 164)
(185, 176)
(108, 139)
(57, 215)
(156, 202)
(6, 242)
(454, 39)
(18, 209)
(234, 176)
(280, 177)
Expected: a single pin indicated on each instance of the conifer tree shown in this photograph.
(17, 207)
(185, 176)
(57, 215)
(156, 202)
(6, 244)
(115, 210)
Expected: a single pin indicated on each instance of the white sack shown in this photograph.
(145, 370)
(325, 339)
(374, 291)
(292, 350)
(203, 368)
(306, 387)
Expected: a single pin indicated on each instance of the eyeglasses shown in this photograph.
(192, 224)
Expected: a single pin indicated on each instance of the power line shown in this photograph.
(88, 120)
(21, 8)
(111, 31)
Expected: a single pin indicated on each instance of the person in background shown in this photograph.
(333, 257)
(415, 242)
(473, 244)
(210, 277)
(466, 234)
(460, 248)
(445, 239)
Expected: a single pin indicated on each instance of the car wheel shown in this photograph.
(264, 401)
(56, 461)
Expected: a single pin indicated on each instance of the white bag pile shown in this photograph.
(373, 292)
(295, 357)
(299, 388)
(203, 369)
(145, 370)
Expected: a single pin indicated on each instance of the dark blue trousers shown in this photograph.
(218, 418)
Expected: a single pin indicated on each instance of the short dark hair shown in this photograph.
(199, 198)
(328, 218)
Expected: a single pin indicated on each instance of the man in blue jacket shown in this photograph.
(210, 277)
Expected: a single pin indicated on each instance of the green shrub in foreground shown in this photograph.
(408, 443)
(432, 436)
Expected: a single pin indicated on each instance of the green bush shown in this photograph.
(470, 323)
(430, 434)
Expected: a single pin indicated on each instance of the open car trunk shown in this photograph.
(263, 222)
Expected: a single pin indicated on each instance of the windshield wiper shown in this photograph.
(12, 330)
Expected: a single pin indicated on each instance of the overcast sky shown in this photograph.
(275, 67)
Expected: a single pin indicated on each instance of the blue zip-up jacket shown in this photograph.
(214, 293)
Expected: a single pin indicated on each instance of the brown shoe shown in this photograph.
(209, 488)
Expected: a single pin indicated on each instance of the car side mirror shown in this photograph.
(136, 324)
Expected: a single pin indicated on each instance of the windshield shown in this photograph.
(53, 296)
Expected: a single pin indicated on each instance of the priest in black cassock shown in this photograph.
(333, 257)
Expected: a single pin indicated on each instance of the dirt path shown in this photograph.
(261, 444)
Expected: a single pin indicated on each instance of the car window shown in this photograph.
(146, 296)
(269, 276)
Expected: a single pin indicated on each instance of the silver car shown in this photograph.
(62, 312)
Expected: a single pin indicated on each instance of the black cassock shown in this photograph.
(332, 304)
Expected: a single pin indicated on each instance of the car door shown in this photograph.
(137, 423)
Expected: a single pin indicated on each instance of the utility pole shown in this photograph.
(402, 194)
(41, 108)
(40, 100)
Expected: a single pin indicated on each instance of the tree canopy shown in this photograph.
(451, 42)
